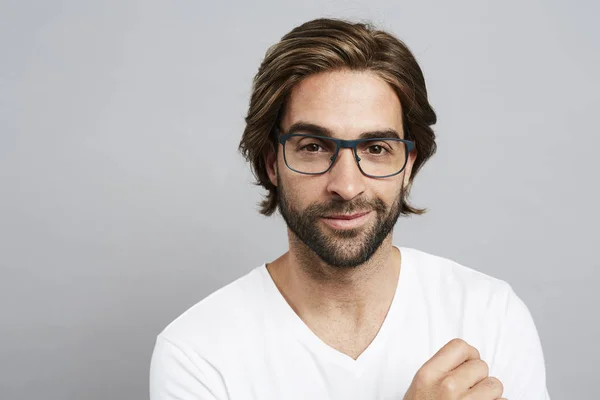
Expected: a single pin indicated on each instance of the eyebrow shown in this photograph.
(314, 129)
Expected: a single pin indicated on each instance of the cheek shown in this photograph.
(388, 190)
(302, 190)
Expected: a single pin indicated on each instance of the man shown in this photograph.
(338, 126)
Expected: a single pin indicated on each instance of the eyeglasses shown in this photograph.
(314, 155)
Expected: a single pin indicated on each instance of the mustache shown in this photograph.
(345, 207)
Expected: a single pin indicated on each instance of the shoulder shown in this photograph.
(223, 312)
(191, 354)
(437, 274)
(458, 300)
(488, 313)
(195, 352)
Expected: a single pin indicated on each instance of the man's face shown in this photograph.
(341, 215)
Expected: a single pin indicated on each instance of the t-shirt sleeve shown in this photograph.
(179, 374)
(519, 360)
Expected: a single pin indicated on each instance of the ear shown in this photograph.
(412, 156)
(270, 157)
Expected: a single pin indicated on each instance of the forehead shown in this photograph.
(346, 102)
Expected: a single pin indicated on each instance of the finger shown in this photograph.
(453, 354)
(467, 375)
(488, 388)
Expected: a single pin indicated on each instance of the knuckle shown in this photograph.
(449, 385)
(458, 342)
(494, 383)
(424, 376)
(476, 352)
(482, 366)
(464, 346)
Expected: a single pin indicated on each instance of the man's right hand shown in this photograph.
(455, 372)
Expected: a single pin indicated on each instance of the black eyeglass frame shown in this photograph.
(346, 144)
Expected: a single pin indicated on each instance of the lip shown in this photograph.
(344, 221)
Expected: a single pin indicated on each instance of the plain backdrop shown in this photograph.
(124, 201)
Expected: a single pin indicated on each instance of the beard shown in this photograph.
(346, 248)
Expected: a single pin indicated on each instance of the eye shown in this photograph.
(376, 149)
(311, 147)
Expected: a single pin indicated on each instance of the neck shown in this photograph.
(317, 290)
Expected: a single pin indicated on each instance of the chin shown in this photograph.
(346, 233)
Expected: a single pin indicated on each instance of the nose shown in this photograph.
(344, 178)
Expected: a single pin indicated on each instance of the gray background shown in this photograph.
(123, 200)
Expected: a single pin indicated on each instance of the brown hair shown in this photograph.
(324, 45)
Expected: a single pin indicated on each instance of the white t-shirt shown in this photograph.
(245, 342)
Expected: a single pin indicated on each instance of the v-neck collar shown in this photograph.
(292, 321)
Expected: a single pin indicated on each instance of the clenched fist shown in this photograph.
(455, 372)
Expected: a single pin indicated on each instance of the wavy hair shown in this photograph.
(323, 45)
